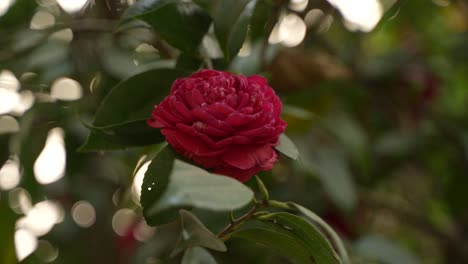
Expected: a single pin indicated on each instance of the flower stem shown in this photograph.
(235, 223)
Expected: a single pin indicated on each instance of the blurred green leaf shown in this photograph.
(188, 62)
(195, 234)
(332, 168)
(182, 24)
(231, 26)
(132, 134)
(156, 182)
(287, 147)
(279, 239)
(133, 99)
(7, 231)
(260, 18)
(19, 13)
(326, 228)
(381, 249)
(315, 242)
(198, 255)
(190, 186)
(4, 149)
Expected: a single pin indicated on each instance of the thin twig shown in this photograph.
(238, 222)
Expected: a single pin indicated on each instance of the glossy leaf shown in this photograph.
(314, 240)
(287, 147)
(326, 228)
(198, 255)
(134, 98)
(279, 239)
(194, 234)
(231, 26)
(191, 186)
(132, 134)
(155, 182)
(181, 23)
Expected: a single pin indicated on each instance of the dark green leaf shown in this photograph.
(7, 229)
(260, 19)
(191, 186)
(287, 147)
(231, 26)
(132, 134)
(181, 23)
(325, 227)
(188, 62)
(315, 242)
(134, 98)
(156, 181)
(19, 13)
(194, 234)
(198, 255)
(4, 149)
(278, 239)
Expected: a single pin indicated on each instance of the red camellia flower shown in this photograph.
(226, 123)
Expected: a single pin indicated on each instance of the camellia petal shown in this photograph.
(225, 123)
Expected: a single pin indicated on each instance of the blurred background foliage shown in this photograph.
(375, 95)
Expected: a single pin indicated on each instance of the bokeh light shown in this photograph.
(360, 15)
(8, 124)
(9, 98)
(72, 6)
(41, 218)
(4, 6)
(46, 251)
(289, 31)
(83, 213)
(26, 101)
(10, 173)
(50, 165)
(25, 243)
(122, 220)
(138, 181)
(19, 200)
(66, 89)
(42, 20)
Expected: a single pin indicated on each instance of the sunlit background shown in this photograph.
(65, 57)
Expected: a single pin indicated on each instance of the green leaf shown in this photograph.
(194, 234)
(325, 227)
(181, 23)
(188, 62)
(278, 239)
(314, 240)
(19, 13)
(134, 98)
(191, 186)
(231, 26)
(198, 255)
(132, 134)
(4, 149)
(330, 165)
(381, 249)
(260, 18)
(156, 182)
(7, 229)
(287, 147)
